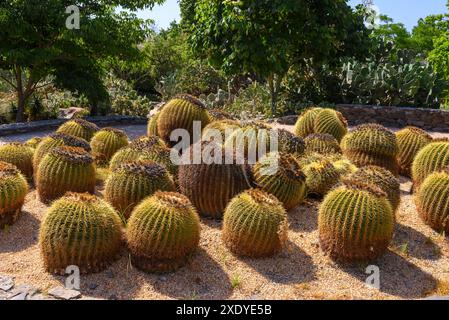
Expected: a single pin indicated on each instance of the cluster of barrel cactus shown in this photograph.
(323, 121)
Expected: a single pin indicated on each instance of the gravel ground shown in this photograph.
(415, 266)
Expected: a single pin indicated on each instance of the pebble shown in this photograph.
(64, 294)
(6, 283)
(110, 274)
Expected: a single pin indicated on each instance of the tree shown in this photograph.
(267, 37)
(35, 44)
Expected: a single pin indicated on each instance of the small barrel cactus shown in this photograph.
(107, 142)
(432, 201)
(329, 121)
(410, 141)
(321, 176)
(280, 175)
(289, 143)
(152, 125)
(433, 157)
(210, 185)
(322, 143)
(131, 182)
(161, 155)
(372, 144)
(13, 190)
(163, 231)
(56, 140)
(381, 178)
(306, 122)
(82, 230)
(355, 223)
(79, 128)
(218, 115)
(180, 113)
(222, 128)
(33, 142)
(255, 224)
(65, 169)
(20, 155)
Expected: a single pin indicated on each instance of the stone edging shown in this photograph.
(396, 117)
(16, 128)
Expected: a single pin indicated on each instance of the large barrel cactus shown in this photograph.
(355, 223)
(13, 189)
(20, 155)
(33, 142)
(152, 125)
(163, 231)
(180, 113)
(107, 142)
(82, 230)
(65, 169)
(131, 182)
(56, 140)
(372, 144)
(329, 121)
(410, 141)
(321, 176)
(381, 178)
(79, 128)
(433, 157)
(220, 128)
(281, 175)
(306, 122)
(210, 185)
(255, 224)
(322, 143)
(432, 201)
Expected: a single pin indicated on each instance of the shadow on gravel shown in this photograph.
(291, 266)
(304, 217)
(21, 235)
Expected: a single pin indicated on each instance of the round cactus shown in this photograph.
(329, 121)
(223, 127)
(65, 169)
(107, 142)
(82, 230)
(381, 178)
(433, 157)
(255, 224)
(131, 182)
(33, 142)
(344, 166)
(321, 176)
(372, 144)
(306, 122)
(20, 155)
(180, 113)
(152, 125)
(218, 115)
(163, 231)
(210, 185)
(289, 143)
(280, 175)
(56, 140)
(432, 201)
(161, 155)
(13, 189)
(410, 141)
(322, 143)
(355, 223)
(79, 128)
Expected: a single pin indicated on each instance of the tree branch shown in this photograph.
(8, 82)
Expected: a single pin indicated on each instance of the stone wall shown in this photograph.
(15, 128)
(394, 117)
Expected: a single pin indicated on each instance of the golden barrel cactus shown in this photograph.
(107, 142)
(79, 128)
(255, 224)
(33, 142)
(322, 143)
(163, 232)
(13, 190)
(306, 122)
(410, 141)
(433, 157)
(65, 169)
(82, 230)
(131, 182)
(355, 223)
(289, 143)
(152, 125)
(321, 176)
(20, 155)
(329, 121)
(220, 130)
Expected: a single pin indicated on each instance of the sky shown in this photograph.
(406, 11)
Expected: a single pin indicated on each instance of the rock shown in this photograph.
(6, 283)
(407, 187)
(40, 296)
(64, 294)
(437, 298)
(69, 113)
(22, 292)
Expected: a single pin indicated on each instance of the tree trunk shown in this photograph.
(21, 102)
(274, 93)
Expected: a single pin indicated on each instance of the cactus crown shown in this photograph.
(287, 167)
(7, 169)
(418, 131)
(322, 143)
(260, 197)
(173, 200)
(290, 143)
(359, 185)
(371, 138)
(116, 131)
(86, 124)
(145, 168)
(73, 154)
(191, 99)
(70, 140)
(143, 143)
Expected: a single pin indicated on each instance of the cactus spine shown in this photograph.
(82, 230)
(163, 231)
(19, 155)
(410, 141)
(433, 157)
(13, 190)
(79, 128)
(65, 169)
(355, 223)
(280, 175)
(131, 182)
